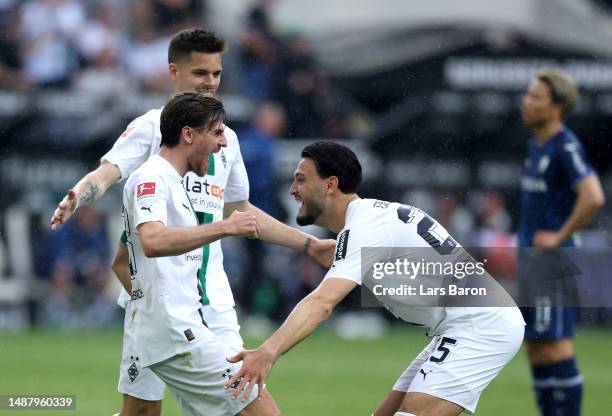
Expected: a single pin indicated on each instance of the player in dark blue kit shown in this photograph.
(561, 193)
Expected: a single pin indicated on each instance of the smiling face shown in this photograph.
(201, 72)
(204, 141)
(538, 108)
(309, 189)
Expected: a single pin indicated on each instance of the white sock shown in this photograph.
(403, 414)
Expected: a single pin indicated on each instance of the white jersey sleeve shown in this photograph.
(150, 196)
(237, 188)
(348, 259)
(136, 144)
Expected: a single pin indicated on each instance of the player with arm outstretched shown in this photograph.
(470, 345)
(194, 57)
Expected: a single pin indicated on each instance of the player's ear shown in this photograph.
(187, 134)
(332, 185)
(172, 71)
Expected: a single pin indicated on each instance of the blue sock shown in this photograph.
(558, 388)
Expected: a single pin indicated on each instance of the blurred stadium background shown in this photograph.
(428, 94)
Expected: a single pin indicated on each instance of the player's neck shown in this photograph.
(335, 217)
(175, 158)
(547, 132)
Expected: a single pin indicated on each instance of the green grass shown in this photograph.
(323, 376)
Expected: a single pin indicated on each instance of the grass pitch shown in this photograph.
(323, 376)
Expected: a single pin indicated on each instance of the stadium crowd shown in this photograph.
(94, 46)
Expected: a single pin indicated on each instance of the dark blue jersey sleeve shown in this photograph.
(574, 163)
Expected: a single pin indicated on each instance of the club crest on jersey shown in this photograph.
(341, 248)
(543, 164)
(223, 159)
(133, 372)
(144, 189)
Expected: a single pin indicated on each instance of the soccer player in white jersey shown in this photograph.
(470, 344)
(194, 57)
(165, 240)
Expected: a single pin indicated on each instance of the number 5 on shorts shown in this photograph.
(445, 351)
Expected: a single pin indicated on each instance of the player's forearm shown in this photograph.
(589, 201)
(582, 215)
(174, 241)
(123, 275)
(93, 185)
(275, 232)
(303, 320)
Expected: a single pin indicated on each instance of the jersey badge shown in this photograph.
(144, 189)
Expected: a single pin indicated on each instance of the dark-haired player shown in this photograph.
(470, 345)
(560, 194)
(165, 240)
(194, 64)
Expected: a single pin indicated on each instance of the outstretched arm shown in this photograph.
(275, 232)
(303, 320)
(85, 192)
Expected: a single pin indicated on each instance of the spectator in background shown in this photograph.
(11, 76)
(258, 147)
(298, 88)
(171, 16)
(259, 54)
(79, 264)
(49, 29)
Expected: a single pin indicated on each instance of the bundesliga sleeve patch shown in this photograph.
(341, 247)
(144, 189)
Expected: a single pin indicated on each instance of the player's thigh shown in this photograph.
(265, 406)
(423, 404)
(390, 404)
(135, 380)
(548, 323)
(133, 406)
(197, 379)
(462, 366)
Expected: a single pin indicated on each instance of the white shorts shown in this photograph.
(457, 368)
(142, 383)
(197, 379)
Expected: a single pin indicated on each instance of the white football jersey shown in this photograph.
(389, 226)
(226, 180)
(166, 297)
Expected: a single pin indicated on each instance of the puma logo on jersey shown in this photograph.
(146, 209)
(425, 373)
(186, 207)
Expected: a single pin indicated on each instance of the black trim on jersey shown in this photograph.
(342, 246)
(202, 317)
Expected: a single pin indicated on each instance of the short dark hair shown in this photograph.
(194, 40)
(333, 159)
(190, 109)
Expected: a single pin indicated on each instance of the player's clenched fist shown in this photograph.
(242, 224)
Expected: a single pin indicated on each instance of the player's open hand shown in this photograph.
(243, 224)
(547, 239)
(64, 210)
(322, 251)
(256, 365)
